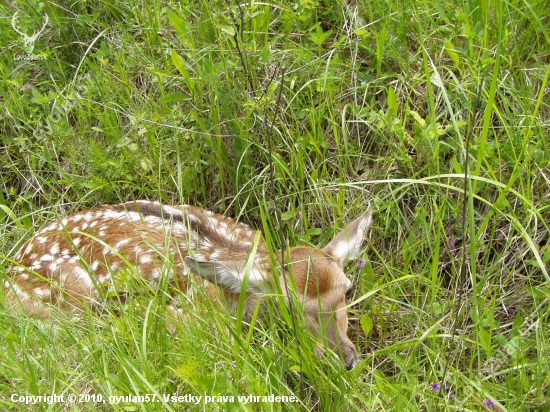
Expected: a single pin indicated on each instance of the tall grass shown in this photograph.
(383, 100)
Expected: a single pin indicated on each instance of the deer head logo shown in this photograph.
(28, 41)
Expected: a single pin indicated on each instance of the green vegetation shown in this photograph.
(181, 102)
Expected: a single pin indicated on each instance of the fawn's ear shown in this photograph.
(228, 275)
(348, 242)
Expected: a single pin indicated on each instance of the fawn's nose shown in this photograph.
(350, 355)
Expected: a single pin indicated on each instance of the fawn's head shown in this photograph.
(317, 276)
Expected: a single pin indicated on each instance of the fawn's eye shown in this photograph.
(349, 293)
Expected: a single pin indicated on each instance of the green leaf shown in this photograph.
(380, 47)
(366, 324)
(514, 346)
(265, 54)
(516, 325)
(501, 340)
(392, 102)
(456, 166)
(229, 30)
(474, 316)
(173, 97)
(437, 308)
(485, 340)
(366, 280)
(178, 23)
(295, 368)
(2, 205)
(180, 65)
(421, 122)
(314, 231)
(290, 214)
(318, 36)
(38, 97)
(11, 337)
(450, 50)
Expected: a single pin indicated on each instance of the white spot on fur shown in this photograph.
(77, 240)
(82, 274)
(95, 265)
(132, 216)
(205, 243)
(155, 274)
(111, 214)
(50, 228)
(171, 210)
(178, 229)
(41, 239)
(144, 259)
(55, 248)
(65, 221)
(121, 243)
(41, 293)
(192, 218)
(220, 227)
(152, 220)
(45, 258)
(215, 255)
(106, 278)
(94, 223)
(199, 256)
(29, 248)
(21, 294)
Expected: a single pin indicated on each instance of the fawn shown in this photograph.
(72, 263)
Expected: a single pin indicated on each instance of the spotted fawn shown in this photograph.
(71, 263)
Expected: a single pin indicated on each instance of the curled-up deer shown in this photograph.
(72, 262)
